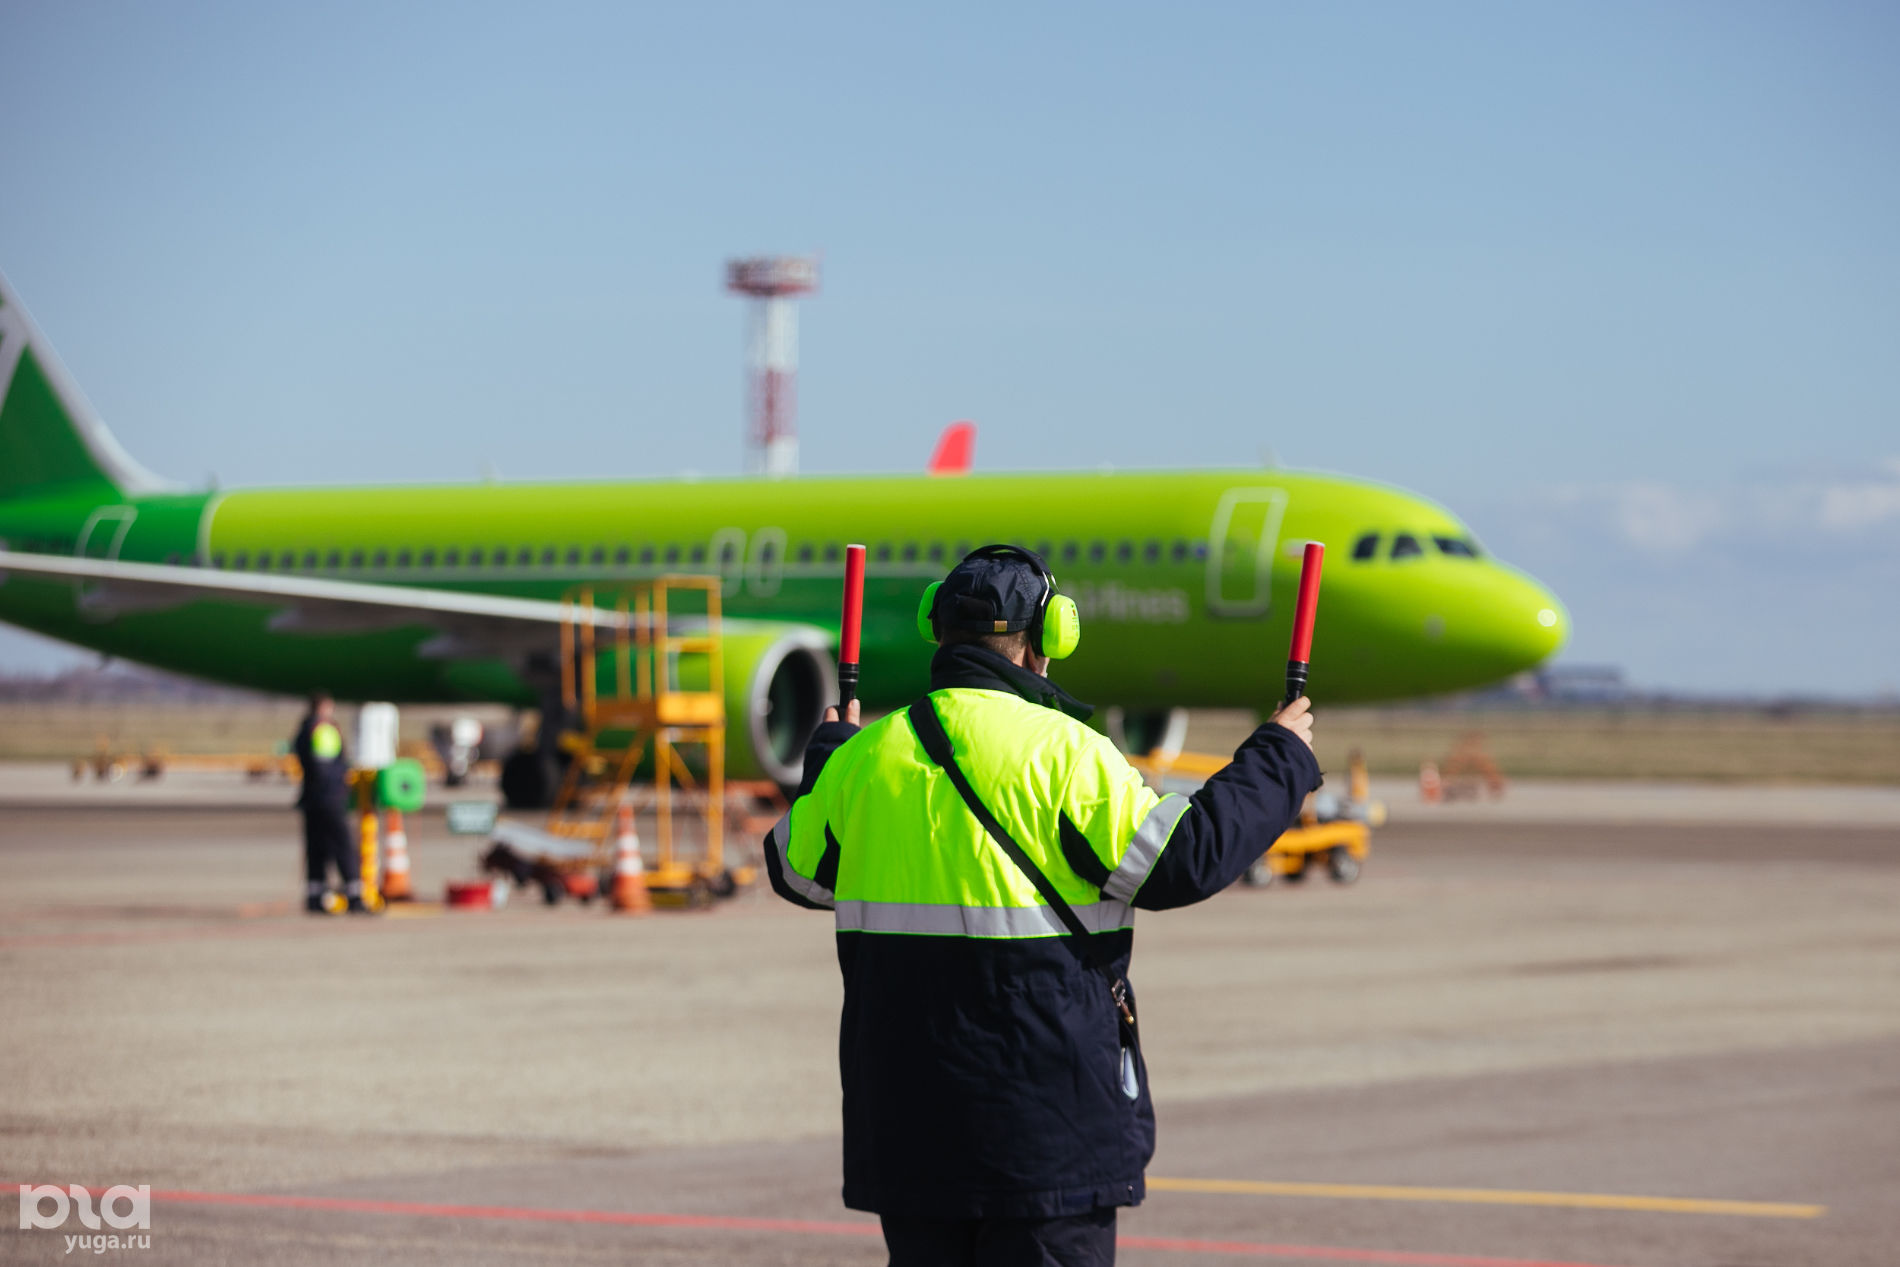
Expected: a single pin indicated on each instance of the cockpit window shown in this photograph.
(1456, 547)
(1406, 546)
(1367, 547)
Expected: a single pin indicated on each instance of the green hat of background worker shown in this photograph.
(1002, 589)
(326, 741)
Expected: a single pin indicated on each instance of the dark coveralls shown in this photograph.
(1026, 1164)
(326, 820)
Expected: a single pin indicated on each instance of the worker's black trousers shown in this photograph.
(1078, 1240)
(326, 840)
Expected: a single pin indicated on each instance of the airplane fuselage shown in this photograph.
(1184, 579)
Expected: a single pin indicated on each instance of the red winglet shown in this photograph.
(1308, 605)
(955, 447)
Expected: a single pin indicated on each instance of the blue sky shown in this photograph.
(1619, 283)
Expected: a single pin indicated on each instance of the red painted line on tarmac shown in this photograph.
(517, 1214)
(819, 1227)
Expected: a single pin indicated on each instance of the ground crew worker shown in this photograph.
(325, 803)
(982, 852)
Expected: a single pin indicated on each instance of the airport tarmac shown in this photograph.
(1556, 801)
(1587, 1039)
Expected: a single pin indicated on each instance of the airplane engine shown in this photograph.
(1139, 731)
(779, 681)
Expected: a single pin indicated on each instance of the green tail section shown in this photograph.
(51, 442)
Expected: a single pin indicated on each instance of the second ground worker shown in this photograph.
(983, 852)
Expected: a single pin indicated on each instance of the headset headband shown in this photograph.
(1003, 550)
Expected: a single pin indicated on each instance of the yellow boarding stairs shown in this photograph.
(648, 691)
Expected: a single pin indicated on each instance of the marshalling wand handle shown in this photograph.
(1300, 653)
(851, 627)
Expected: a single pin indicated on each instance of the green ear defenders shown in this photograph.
(927, 612)
(1054, 630)
(1059, 630)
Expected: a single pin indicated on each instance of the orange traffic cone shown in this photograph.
(1359, 782)
(630, 881)
(395, 859)
(1431, 789)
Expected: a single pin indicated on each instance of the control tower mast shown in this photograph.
(773, 283)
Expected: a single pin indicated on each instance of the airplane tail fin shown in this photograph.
(955, 447)
(50, 438)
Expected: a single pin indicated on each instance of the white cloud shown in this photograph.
(1663, 519)
(1850, 506)
(1660, 519)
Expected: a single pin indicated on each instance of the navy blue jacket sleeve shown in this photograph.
(1233, 819)
(827, 739)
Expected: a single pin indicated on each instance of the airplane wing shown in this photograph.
(465, 624)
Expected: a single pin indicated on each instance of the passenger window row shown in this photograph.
(1151, 551)
(1406, 545)
(474, 557)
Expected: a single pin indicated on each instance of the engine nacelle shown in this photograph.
(779, 681)
(1141, 731)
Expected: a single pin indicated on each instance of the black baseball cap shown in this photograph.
(995, 589)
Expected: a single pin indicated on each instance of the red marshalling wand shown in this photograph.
(851, 627)
(1301, 652)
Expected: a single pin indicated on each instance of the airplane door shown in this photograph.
(105, 531)
(1241, 542)
(100, 538)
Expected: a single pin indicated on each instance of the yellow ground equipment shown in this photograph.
(1333, 833)
(363, 786)
(647, 690)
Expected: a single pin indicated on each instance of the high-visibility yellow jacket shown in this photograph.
(980, 1052)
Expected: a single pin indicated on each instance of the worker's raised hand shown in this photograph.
(850, 712)
(1296, 717)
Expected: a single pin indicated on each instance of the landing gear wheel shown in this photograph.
(1259, 875)
(1341, 865)
(723, 885)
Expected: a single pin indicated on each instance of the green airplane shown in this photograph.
(452, 593)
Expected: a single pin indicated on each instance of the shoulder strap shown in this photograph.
(936, 741)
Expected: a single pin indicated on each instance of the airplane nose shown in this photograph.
(1553, 625)
(1532, 623)
(1501, 623)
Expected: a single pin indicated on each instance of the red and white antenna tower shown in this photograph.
(773, 282)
